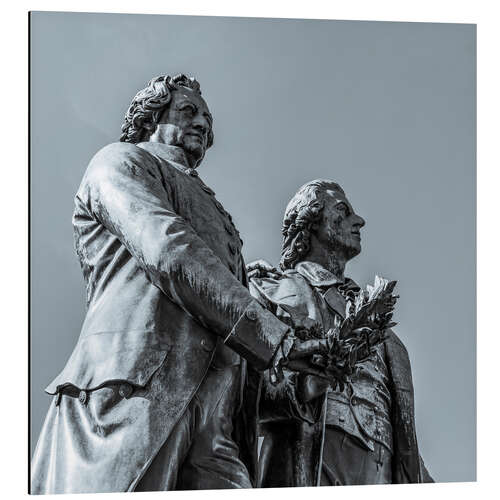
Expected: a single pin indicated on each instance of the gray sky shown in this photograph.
(385, 109)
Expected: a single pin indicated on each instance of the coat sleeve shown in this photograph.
(128, 194)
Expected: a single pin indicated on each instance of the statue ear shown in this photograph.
(149, 126)
(148, 129)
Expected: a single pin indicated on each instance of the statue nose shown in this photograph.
(201, 124)
(360, 222)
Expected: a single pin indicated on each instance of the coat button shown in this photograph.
(82, 397)
(206, 345)
(251, 315)
(341, 419)
(125, 390)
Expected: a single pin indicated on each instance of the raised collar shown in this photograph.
(172, 154)
(318, 276)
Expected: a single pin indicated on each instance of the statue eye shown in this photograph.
(188, 108)
(343, 208)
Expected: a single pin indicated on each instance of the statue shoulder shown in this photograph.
(289, 286)
(119, 148)
(118, 153)
(120, 160)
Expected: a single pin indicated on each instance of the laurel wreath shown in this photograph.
(352, 341)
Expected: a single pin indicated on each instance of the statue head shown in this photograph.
(171, 110)
(319, 217)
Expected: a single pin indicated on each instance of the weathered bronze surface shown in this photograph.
(312, 434)
(150, 390)
(174, 345)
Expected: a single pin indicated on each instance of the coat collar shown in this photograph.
(172, 154)
(318, 276)
(333, 289)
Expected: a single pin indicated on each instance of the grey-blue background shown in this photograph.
(385, 109)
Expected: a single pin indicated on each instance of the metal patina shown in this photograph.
(313, 434)
(147, 399)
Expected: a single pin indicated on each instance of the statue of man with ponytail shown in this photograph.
(312, 433)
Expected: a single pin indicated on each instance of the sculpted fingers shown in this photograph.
(262, 269)
(302, 349)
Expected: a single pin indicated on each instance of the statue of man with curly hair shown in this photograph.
(313, 433)
(148, 397)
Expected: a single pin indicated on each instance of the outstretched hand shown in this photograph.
(262, 269)
(305, 356)
(323, 359)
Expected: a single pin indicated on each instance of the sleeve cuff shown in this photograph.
(257, 335)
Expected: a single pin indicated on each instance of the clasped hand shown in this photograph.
(324, 359)
(310, 357)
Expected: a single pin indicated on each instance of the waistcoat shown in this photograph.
(363, 410)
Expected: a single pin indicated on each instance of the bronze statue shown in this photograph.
(314, 433)
(147, 399)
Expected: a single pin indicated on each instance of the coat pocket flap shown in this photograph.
(103, 358)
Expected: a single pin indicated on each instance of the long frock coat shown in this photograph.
(163, 269)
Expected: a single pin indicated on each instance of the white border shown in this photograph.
(14, 218)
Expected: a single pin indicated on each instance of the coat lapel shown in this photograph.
(335, 301)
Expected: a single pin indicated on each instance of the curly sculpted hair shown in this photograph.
(302, 213)
(149, 103)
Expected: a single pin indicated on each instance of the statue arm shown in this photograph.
(128, 195)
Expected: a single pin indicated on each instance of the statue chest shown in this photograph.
(197, 204)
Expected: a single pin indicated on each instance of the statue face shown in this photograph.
(340, 226)
(185, 123)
